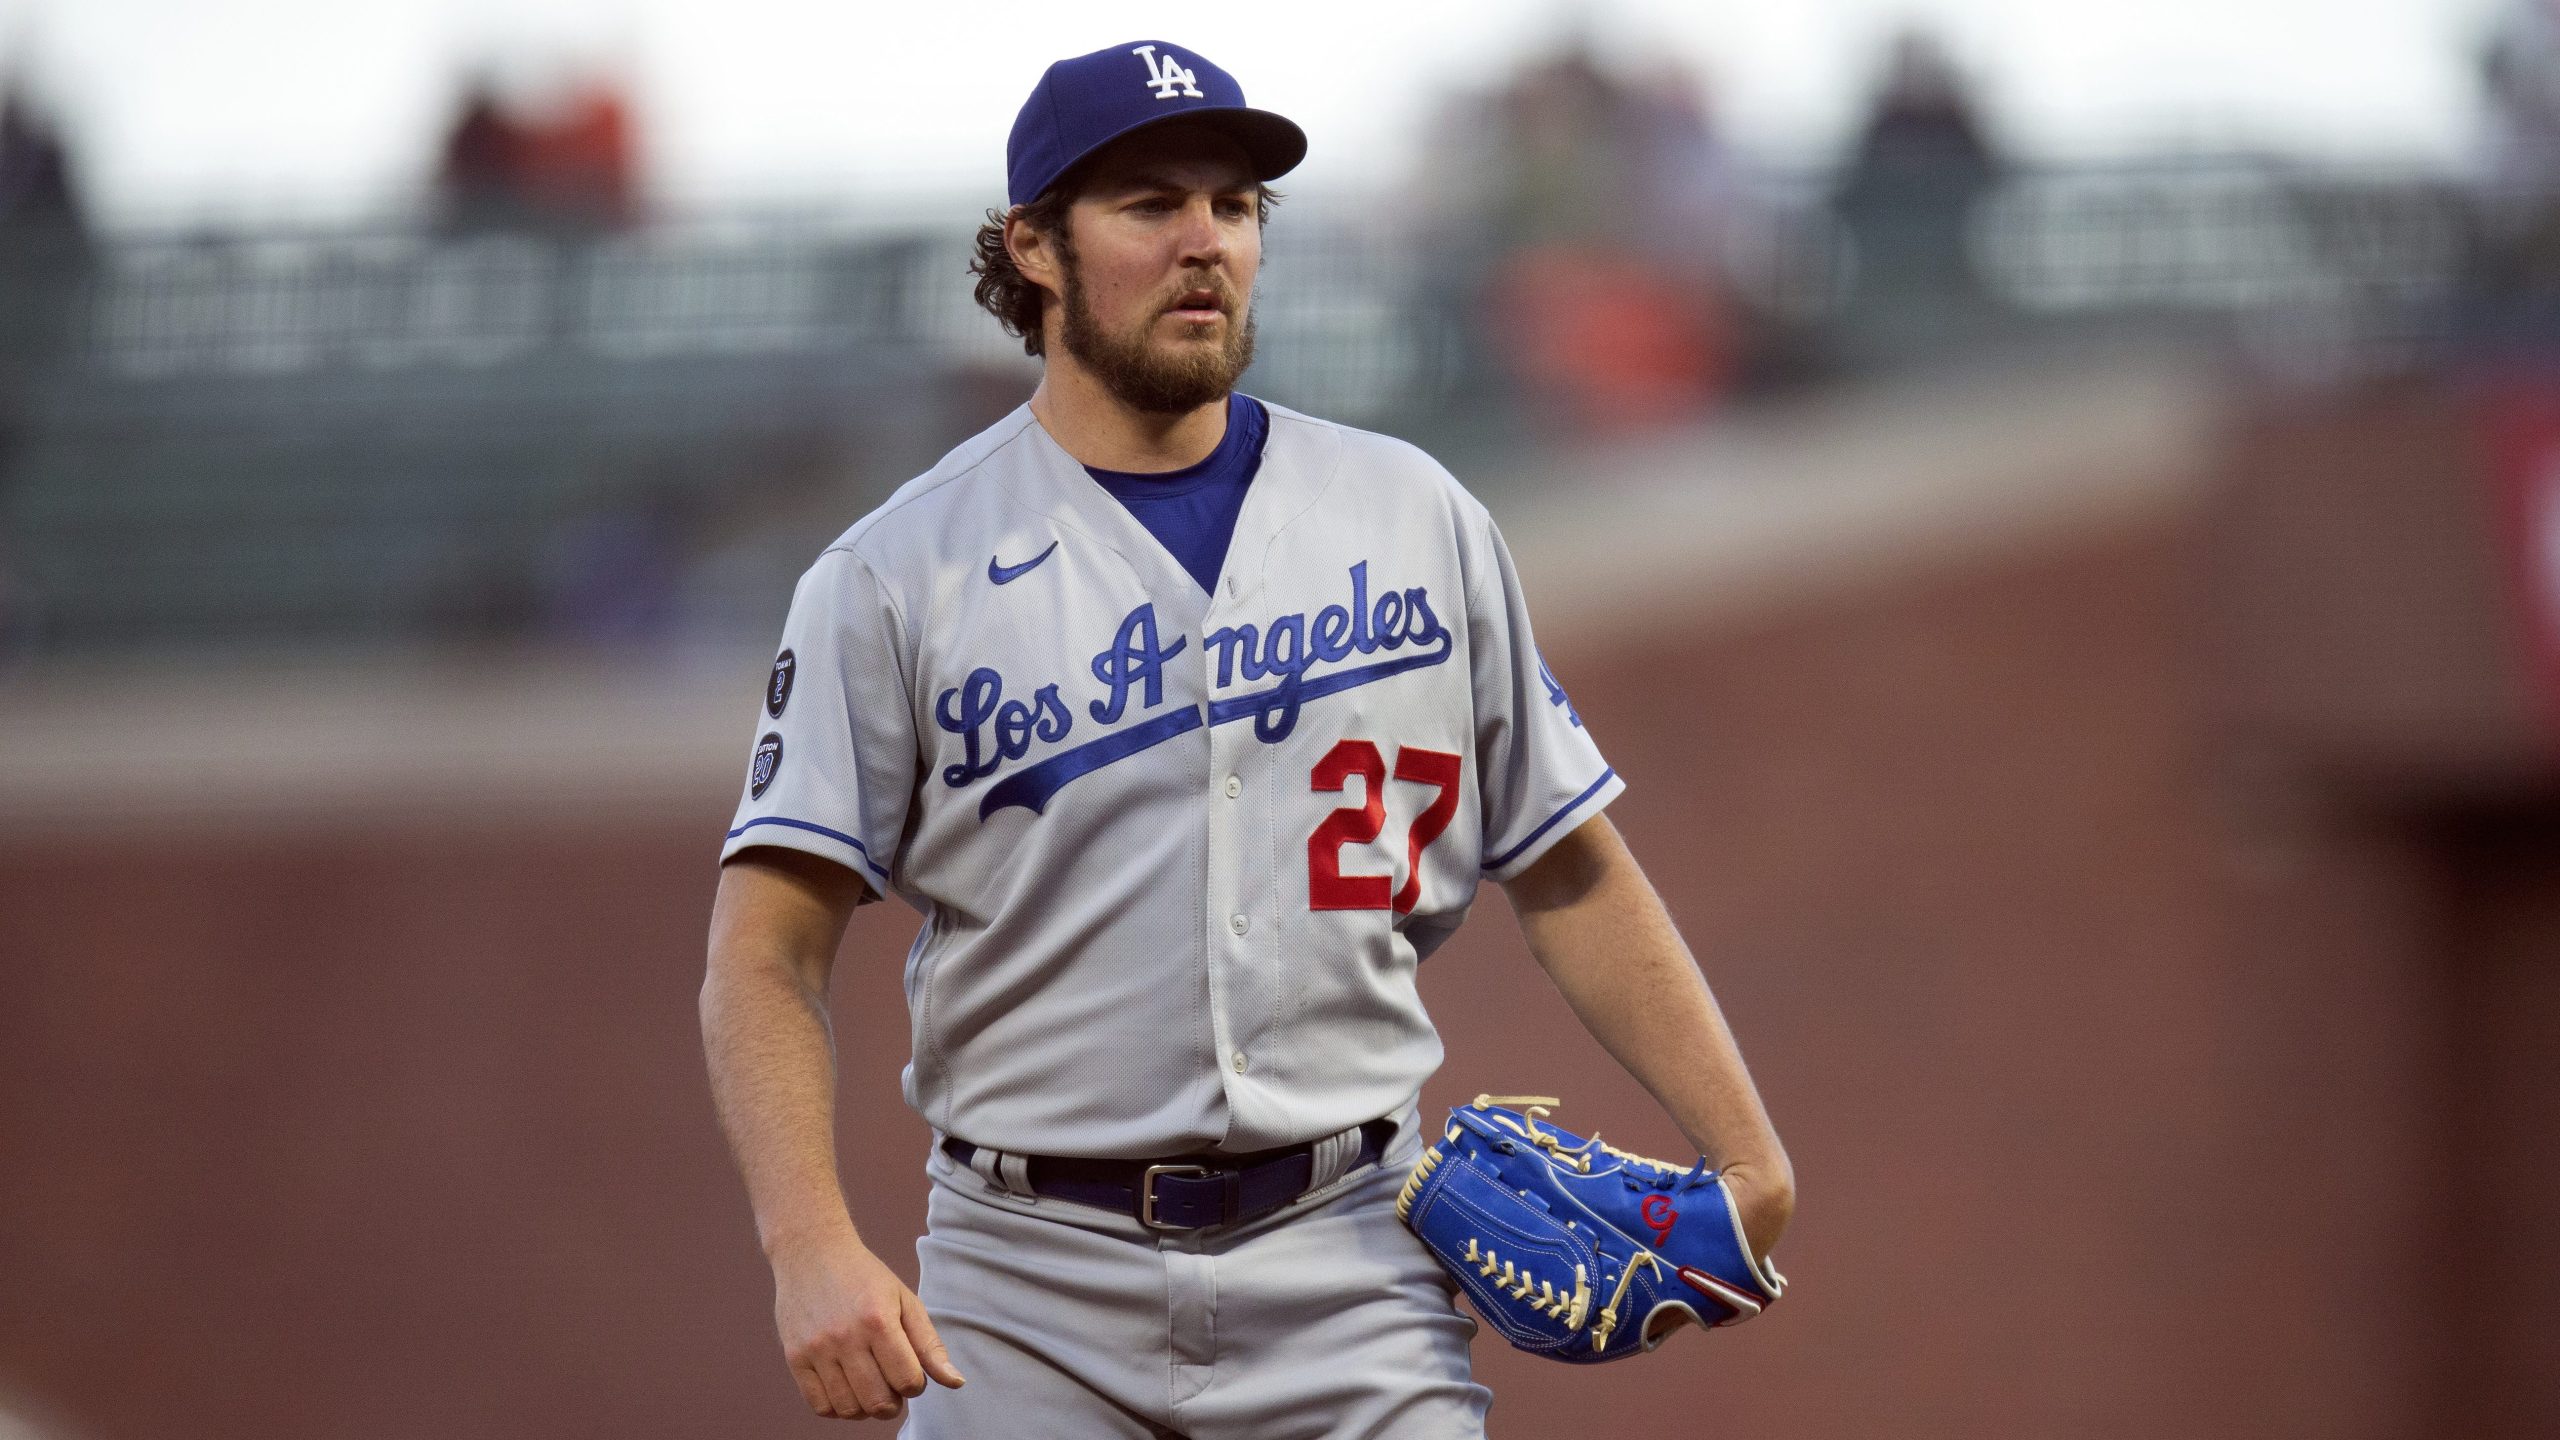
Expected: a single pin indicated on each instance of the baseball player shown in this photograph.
(1189, 725)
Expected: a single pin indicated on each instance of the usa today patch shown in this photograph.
(777, 690)
(768, 760)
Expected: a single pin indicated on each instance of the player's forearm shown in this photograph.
(1601, 933)
(1631, 982)
(771, 1054)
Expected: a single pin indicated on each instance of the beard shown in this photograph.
(1140, 375)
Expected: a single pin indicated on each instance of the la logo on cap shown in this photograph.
(1170, 79)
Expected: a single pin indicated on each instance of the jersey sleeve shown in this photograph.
(834, 762)
(1539, 771)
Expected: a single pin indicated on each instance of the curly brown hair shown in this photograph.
(1006, 293)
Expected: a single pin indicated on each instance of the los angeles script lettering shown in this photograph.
(994, 730)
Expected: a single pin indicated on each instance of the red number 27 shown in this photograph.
(1327, 887)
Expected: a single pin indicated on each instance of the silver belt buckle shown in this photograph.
(1147, 1192)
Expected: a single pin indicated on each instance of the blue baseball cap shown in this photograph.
(1083, 104)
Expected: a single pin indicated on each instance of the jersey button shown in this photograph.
(1239, 1062)
(1239, 924)
(1235, 787)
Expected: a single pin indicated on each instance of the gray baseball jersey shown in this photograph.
(1178, 853)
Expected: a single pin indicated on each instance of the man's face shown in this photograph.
(1158, 275)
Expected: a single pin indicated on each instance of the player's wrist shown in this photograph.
(1764, 1199)
(789, 1241)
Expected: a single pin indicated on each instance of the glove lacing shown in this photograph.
(1535, 1107)
(1609, 1313)
(1573, 1306)
(1569, 1306)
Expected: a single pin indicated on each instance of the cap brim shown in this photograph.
(1272, 143)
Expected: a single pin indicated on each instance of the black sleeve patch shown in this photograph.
(777, 691)
(768, 760)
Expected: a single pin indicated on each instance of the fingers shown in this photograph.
(839, 1376)
(835, 1392)
(813, 1390)
(907, 1351)
(897, 1363)
(928, 1344)
(872, 1396)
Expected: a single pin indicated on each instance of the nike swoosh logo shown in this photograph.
(1006, 574)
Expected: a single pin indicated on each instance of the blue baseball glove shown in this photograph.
(1577, 1250)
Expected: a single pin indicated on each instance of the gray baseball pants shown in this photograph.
(1325, 1319)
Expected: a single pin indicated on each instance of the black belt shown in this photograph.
(1192, 1192)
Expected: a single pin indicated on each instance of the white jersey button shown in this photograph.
(1239, 924)
(1235, 787)
(1239, 1062)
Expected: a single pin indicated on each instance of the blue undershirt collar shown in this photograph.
(1192, 511)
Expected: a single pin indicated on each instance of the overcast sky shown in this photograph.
(330, 107)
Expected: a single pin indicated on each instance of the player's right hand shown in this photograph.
(857, 1338)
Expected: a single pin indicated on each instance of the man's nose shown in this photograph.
(1203, 239)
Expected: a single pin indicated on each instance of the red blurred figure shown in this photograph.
(575, 167)
(583, 165)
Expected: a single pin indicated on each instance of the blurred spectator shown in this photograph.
(1566, 172)
(575, 166)
(1584, 211)
(43, 255)
(1922, 166)
(2520, 211)
(477, 178)
(35, 170)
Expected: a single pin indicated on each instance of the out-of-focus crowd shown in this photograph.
(1594, 257)
(1596, 218)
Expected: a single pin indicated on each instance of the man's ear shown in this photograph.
(1035, 254)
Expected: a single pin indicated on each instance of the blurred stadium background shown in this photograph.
(2076, 594)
